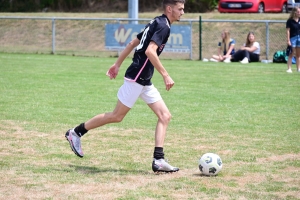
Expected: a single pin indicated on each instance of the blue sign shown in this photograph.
(117, 36)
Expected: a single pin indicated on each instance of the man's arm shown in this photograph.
(152, 55)
(114, 69)
(127, 51)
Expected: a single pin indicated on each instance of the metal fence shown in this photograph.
(270, 34)
(86, 36)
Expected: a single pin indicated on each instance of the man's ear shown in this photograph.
(169, 9)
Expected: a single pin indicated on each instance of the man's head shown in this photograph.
(173, 9)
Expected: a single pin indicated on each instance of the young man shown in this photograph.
(137, 83)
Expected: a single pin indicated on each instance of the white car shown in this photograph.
(292, 3)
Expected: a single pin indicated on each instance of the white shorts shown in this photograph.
(130, 91)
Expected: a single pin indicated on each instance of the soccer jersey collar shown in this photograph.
(167, 18)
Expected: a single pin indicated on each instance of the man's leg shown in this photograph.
(164, 116)
(73, 135)
(128, 94)
(117, 115)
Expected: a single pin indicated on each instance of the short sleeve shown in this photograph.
(287, 25)
(257, 51)
(139, 36)
(162, 32)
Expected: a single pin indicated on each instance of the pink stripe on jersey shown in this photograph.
(138, 73)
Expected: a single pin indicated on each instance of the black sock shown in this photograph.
(158, 153)
(80, 130)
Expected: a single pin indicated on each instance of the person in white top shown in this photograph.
(249, 52)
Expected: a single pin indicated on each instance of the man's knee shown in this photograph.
(115, 118)
(166, 117)
(118, 118)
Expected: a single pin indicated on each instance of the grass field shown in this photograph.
(248, 114)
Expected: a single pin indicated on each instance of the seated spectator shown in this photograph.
(249, 52)
(225, 48)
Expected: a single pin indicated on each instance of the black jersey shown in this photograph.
(141, 69)
(294, 27)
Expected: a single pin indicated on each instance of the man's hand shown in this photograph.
(113, 71)
(168, 82)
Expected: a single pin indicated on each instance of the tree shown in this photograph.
(96, 5)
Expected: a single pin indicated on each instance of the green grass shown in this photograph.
(248, 114)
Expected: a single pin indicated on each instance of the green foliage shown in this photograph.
(201, 6)
(46, 3)
(87, 5)
(211, 3)
(18, 6)
(4, 5)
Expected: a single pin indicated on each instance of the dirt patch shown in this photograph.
(34, 174)
(279, 158)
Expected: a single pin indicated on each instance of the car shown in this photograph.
(292, 3)
(252, 6)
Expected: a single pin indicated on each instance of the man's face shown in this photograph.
(177, 11)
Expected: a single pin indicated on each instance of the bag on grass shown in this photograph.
(283, 56)
(288, 52)
(280, 57)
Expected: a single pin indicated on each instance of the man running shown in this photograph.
(137, 83)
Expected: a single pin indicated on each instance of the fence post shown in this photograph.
(133, 10)
(200, 38)
(191, 50)
(53, 36)
(267, 40)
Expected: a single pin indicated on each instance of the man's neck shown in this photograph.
(168, 18)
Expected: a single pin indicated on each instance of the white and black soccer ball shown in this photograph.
(210, 164)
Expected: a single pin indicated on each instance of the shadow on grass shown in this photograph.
(203, 175)
(96, 170)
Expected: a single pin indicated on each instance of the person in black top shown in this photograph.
(137, 83)
(293, 37)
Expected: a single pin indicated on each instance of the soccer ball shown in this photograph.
(210, 164)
